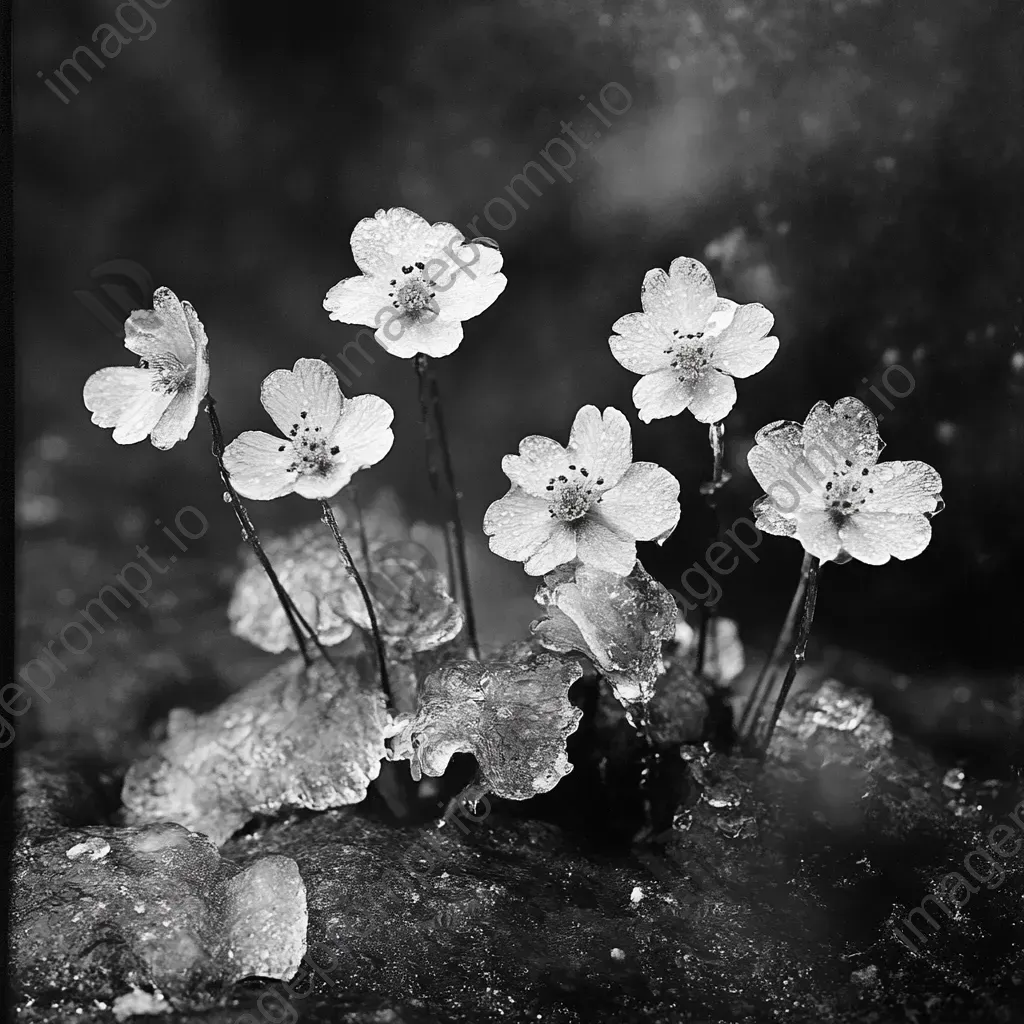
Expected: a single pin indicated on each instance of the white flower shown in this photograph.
(689, 344)
(419, 282)
(160, 397)
(826, 488)
(327, 438)
(589, 501)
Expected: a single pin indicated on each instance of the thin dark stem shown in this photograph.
(423, 391)
(295, 617)
(430, 403)
(460, 534)
(346, 557)
(716, 436)
(799, 651)
(770, 670)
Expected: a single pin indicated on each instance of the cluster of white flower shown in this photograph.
(587, 501)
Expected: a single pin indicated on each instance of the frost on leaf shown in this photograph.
(512, 714)
(620, 623)
(295, 738)
(414, 608)
(410, 596)
(307, 563)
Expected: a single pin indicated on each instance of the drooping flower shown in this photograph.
(689, 344)
(619, 623)
(588, 501)
(328, 438)
(419, 283)
(160, 397)
(826, 488)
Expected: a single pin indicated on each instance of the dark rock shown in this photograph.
(99, 910)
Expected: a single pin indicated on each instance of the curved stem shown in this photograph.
(716, 437)
(346, 557)
(773, 664)
(295, 617)
(810, 579)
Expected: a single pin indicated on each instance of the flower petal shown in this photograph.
(303, 398)
(741, 349)
(258, 467)
(873, 536)
(518, 525)
(178, 419)
(557, 549)
(324, 484)
(162, 330)
(539, 460)
(682, 299)
(903, 487)
(644, 504)
(778, 447)
(818, 533)
(662, 394)
(125, 398)
(713, 397)
(471, 281)
(849, 430)
(599, 545)
(405, 337)
(359, 300)
(639, 344)
(202, 355)
(603, 443)
(398, 236)
(768, 519)
(363, 431)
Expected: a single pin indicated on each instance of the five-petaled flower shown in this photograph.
(419, 283)
(160, 397)
(826, 488)
(688, 343)
(588, 501)
(327, 439)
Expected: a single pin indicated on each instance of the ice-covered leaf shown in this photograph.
(410, 596)
(298, 738)
(414, 608)
(512, 714)
(306, 561)
(620, 623)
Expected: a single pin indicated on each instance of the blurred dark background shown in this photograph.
(855, 165)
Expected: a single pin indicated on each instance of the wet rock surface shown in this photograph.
(99, 911)
(775, 896)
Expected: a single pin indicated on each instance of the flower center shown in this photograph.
(691, 356)
(312, 454)
(414, 294)
(847, 491)
(170, 374)
(573, 496)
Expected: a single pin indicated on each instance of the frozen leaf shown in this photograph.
(414, 608)
(307, 563)
(620, 623)
(299, 738)
(512, 714)
(410, 596)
